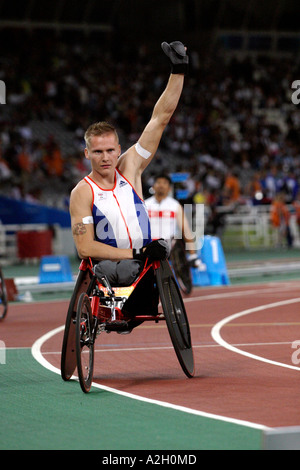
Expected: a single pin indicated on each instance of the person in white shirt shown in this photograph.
(167, 217)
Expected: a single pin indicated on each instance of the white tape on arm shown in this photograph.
(88, 220)
(142, 152)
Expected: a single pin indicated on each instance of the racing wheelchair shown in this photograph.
(181, 266)
(3, 297)
(97, 307)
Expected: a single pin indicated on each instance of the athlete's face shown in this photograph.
(103, 152)
(162, 187)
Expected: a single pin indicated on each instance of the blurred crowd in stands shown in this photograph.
(235, 131)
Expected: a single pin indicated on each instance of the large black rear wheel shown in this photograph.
(181, 267)
(176, 317)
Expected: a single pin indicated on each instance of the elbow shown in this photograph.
(82, 252)
(160, 119)
(164, 120)
(82, 256)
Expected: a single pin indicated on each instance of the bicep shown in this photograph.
(80, 206)
(150, 139)
(81, 217)
(133, 162)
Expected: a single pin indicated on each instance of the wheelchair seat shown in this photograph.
(119, 273)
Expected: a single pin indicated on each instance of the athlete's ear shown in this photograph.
(86, 153)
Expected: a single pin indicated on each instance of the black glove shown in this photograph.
(156, 250)
(177, 55)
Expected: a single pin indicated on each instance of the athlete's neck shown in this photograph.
(104, 181)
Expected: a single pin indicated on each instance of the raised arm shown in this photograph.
(133, 162)
(162, 113)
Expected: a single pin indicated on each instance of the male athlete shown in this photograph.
(167, 218)
(108, 216)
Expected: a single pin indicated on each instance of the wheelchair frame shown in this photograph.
(96, 307)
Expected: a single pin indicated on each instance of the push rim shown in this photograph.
(84, 342)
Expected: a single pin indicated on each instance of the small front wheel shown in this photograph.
(84, 342)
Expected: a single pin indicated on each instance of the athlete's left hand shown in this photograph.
(156, 250)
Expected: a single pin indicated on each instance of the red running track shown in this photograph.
(261, 388)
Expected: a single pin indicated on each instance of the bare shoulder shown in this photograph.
(81, 189)
(81, 195)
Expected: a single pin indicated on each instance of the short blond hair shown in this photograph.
(99, 128)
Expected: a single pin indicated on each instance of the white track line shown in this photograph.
(38, 356)
(241, 293)
(215, 332)
(160, 348)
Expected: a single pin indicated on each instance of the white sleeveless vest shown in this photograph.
(120, 215)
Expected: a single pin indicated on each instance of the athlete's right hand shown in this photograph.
(177, 56)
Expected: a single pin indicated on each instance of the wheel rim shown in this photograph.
(181, 268)
(179, 324)
(84, 343)
(176, 318)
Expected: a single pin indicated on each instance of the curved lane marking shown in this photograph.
(215, 332)
(38, 356)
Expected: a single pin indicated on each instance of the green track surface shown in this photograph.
(41, 412)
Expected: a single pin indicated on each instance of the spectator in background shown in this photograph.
(216, 222)
(270, 182)
(290, 186)
(296, 207)
(5, 171)
(53, 161)
(280, 219)
(25, 165)
(218, 117)
(254, 189)
(167, 216)
(232, 188)
(199, 196)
